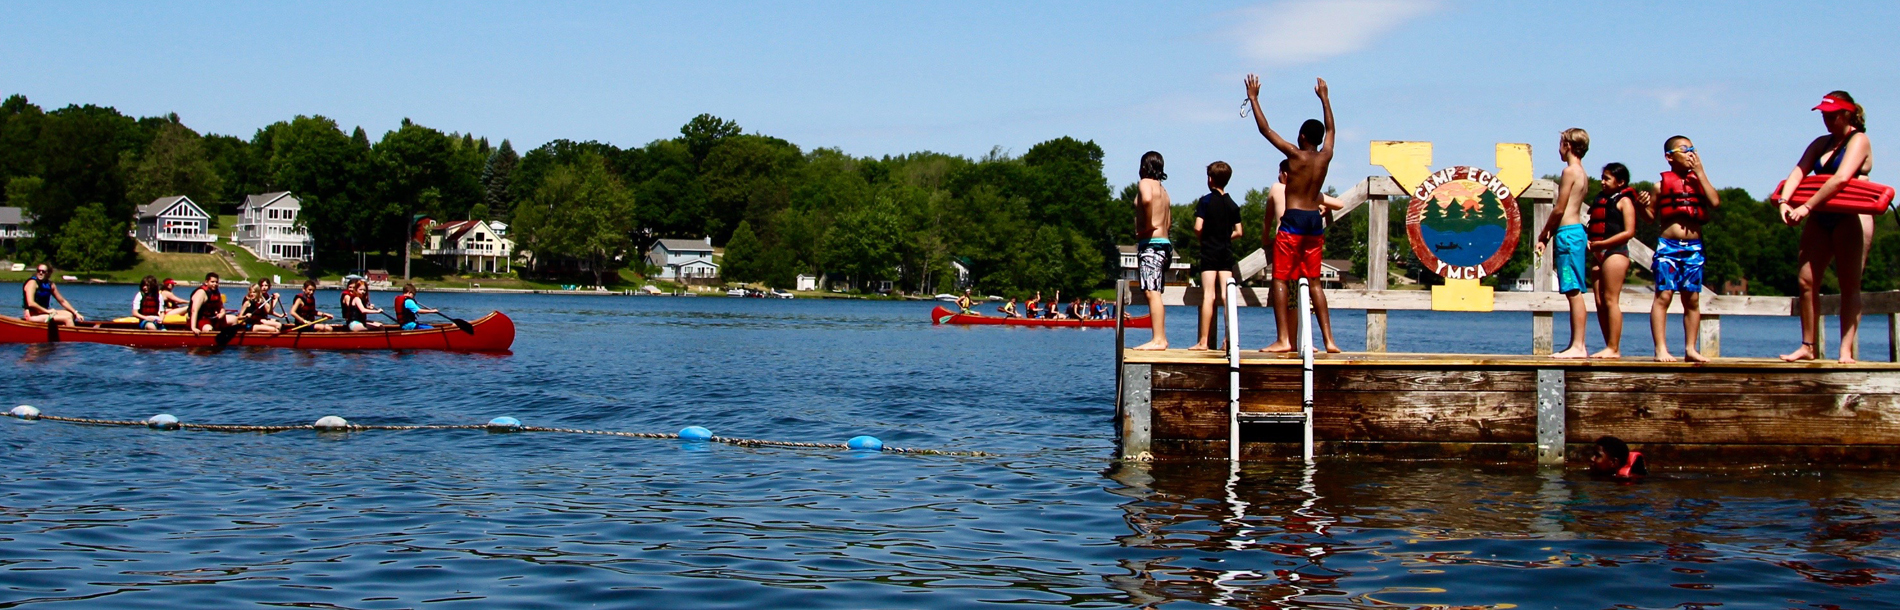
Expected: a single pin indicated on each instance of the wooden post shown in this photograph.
(1893, 337)
(1550, 417)
(1541, 328)
(1711, 338)
(1377, 211)
(1541, 323)
(1134, 422)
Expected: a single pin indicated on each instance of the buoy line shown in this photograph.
(332, 423)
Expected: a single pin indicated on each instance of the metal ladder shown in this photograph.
(1305, 415)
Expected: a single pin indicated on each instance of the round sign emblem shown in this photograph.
(1463, 223)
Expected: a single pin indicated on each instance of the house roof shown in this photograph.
(684, 245)
(1337, 263)
(159, 205)
(455, 229)
(264, 199)
(10, 216)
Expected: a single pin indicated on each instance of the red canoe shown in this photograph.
(492, 333)
(945, 316)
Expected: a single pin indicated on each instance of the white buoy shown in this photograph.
(331, 423)
(162, 421)
(27, 412)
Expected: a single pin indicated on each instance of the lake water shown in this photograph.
(135, 518)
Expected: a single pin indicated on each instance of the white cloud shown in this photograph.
(1704, 97)
(1300, 31)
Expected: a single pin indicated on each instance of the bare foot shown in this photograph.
(1152, 346)
(1663, 356)
(1278, 347)
(1607, 354)
(1332, 348)
(1799, 354)
(1576, 352)
(1693, 356)
(1198, 346)
(1848, 360)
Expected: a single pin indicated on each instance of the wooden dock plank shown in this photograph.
(1730, 382)
(1772, 419)
(1333, 379)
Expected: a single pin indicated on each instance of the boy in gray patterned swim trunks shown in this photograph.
(1153, 217)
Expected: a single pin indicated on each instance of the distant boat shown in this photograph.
(1446, 246)
(947, 298)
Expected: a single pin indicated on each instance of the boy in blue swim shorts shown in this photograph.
(1570, 242)
(1684, 199)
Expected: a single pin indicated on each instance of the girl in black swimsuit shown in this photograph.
(1844, 239)
(1610, 226)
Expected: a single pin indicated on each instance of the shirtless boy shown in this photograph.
(1276, 203)
(1153, 217)
(1684, 199)
(1297, 246)
(1572, 245)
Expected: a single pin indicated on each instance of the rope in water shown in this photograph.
(499, 424)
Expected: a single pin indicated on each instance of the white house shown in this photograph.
(684, 259)
(175, 224)
(471, 245)
(267, 226)
(13, 225)
(807, 282)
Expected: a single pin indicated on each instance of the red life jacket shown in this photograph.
(212, 310)
(1679, 199)
(351, 313)
(403, 315)
(1624, 472)
(305, 306)
(149, 303)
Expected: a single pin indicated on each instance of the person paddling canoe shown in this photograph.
(207, 308)
(259, 310)
(407, 309)
(356, 307)
(303, 309)
(38, 296)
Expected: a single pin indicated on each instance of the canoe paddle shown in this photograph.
(459, 323)
(308, 324)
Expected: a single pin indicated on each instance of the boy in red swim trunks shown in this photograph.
(1296, 248)
(1684, 199)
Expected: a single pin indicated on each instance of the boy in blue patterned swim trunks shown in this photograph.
(1684, 199)
(1570, 241)
(1153, 218)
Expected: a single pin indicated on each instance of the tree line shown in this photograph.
(1040, 221)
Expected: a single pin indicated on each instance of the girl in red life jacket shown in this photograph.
(1843, 239)
(149, 305)
(260, 309)
(1610, 225)
(1613, 457)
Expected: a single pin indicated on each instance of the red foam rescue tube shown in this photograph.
(1855, 197)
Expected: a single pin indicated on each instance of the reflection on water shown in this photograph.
(1343, 534)
(129, 517)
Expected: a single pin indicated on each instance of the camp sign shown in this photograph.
(1463, 222)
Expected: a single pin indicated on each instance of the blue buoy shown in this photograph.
(25, 412)
(504, 424)
(162, 421)
(695, 433)
(865, 443)
(332, 423)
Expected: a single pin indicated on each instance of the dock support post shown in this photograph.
(1375, 330)
(1550, 417)
(1136, 417)
(1893, 337)
(1541, 328)
(1711, 338)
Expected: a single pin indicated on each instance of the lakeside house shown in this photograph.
(175, 224)
(13, 227)
(267, 226)
(471, 245)
(686, 260)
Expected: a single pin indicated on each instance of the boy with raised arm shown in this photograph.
(1153, 217)
(1684, 199)
(1572, 241)
(1276, 204)
(1302, 236)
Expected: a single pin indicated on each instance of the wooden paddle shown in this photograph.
(308, 324)
(459, 323)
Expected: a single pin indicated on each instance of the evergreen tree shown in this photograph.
(745, 256)
(173, 164)
(1489, 210)
(498, 175)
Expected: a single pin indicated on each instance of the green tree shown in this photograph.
(580, 213)
(91, 241)
(862, 244)
(498, 176)
(705, 132)
(313, 158)
(745, 257)
(173, 164)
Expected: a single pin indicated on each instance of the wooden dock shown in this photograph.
(1739, 412)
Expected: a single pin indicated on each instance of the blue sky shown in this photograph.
(963, 78)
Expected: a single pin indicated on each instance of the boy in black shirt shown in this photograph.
(1217, 222)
